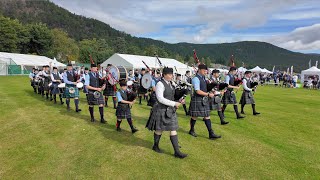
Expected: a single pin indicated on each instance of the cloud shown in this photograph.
(303, 38)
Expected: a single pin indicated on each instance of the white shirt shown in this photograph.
(159, 94)
(295, 78)
(244, 83)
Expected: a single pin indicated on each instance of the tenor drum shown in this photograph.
(146, 80)
(116, 73)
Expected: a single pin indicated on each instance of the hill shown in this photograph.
(80, 28)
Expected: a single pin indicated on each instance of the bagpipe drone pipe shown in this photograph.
(216, 86)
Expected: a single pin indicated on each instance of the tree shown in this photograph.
(63, 46)
(41, 39)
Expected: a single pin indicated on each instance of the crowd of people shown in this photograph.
(165, 94)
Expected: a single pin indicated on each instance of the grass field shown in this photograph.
(41, 140)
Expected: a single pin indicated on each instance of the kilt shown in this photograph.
(54, 88)
(46, 85)
(109, 90)
(68, 95)
(153, 99)
(32, 83)
(247, 98)
(229, 98)
(142, 90)
(215, 103)
(159, 120)
(199, 108)
(93, 101)
(123, 111)
(40, 85)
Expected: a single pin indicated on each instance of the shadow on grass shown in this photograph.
(124, 137)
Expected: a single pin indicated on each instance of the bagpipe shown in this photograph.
(216, 86)
(254, 86)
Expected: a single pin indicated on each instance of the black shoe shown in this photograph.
(51, 99)
(114, 107)
(180, 155)
(103, 121)
(118, 129)
(62, 103)
(256, 113)
(214, 136)
(242, 112)
(192, 133)
(92, 120)
(240, 117)
(224, 122)
(134, 130)
(157, 149)
(78, 110)
(187, 114)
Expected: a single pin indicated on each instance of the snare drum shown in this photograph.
(79, 85)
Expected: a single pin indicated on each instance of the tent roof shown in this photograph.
(242, 69)
(264, 70)
(29, 60)
(135, 61)
(313, 69)
(256, 69)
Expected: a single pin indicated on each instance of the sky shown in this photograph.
(290, 24)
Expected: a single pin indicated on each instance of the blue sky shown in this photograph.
(291, 24)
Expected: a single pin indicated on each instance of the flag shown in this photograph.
(291, 70)
(273, 68)
(310, 63)
(316, 63)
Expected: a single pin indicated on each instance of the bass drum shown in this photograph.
(146, 81)
(116, 73)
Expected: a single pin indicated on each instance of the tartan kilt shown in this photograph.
(123, 111)
(93, 101)
(68, 95)
(142, 90)
(229, 98)
(247, 98)
(158, 120)
(215, 103)
(40, 85)
(46, 85)
(109, 90)
(197, 108)
(54, 88)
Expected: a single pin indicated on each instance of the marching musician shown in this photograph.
(70, 78)
(46, 82)
(199, 106)
(56, 80)
(32, 77)
(83, 79)
(142, 91)
(110, 90)
(123, 109)
(155, 79)
(95, 96)
(229, 96)
(247, 96)
(181, 85)
(163, 115)
(41, 80)
(216, 100)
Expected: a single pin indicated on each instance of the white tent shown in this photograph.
(135, 62)
(242, 69)
(257, 69)
(264, 70)
(29, 60)
(309, 72)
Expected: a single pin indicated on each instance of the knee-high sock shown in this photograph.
(50, 96)
(253, 108)
(242, 108)
(185, 108)
(224, 108)
(146, 97)
(140, 97)
(118, 123)
(106, 100)
(76, 102)
(156, 139)
(175, 144)
(130, 122)
(91, 112)
(114, 102)
(208, 124)
(60, 98)
(221, 116)
(47, 95)
(101, 112)
(55, 98)
(68, 103)
(192, 123)
(235, 107)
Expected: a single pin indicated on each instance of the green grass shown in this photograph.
(40, 140)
